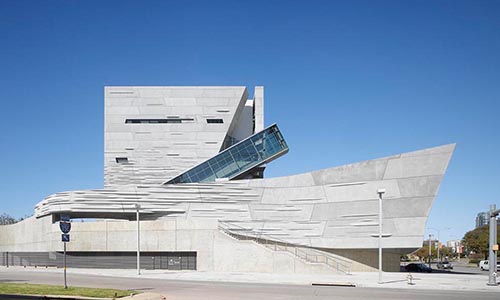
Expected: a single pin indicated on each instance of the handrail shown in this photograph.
(276, 244)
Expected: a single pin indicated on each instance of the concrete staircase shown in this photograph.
(306, 254)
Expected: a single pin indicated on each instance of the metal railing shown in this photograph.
(307, 254)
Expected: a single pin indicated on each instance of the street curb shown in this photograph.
(48, 297)
(342, 284)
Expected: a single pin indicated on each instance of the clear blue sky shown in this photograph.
(346, 81)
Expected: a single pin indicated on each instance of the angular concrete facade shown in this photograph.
(321, 221)
(159, 151)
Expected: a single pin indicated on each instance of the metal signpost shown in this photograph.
(65, 226)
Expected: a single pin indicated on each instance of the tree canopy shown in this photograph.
(477, 240)
(424, 251)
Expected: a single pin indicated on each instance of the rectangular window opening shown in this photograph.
(215, 121)
(158, 121)
(121, 160)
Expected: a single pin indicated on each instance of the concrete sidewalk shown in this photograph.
(440, 281)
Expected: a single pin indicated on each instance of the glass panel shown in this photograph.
(255, 150)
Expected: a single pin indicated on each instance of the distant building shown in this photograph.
(483, 218)
(455, 245)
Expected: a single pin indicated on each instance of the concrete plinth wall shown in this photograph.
(31, 234)
(215, 250)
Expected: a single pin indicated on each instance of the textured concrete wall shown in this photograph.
(158, 152)
(259, 108)
(335, 208)
(31, 234)
(216, 251)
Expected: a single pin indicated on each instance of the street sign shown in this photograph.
(65, 227)
(65, 237)
(65, 224)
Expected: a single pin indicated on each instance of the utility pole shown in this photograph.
(492, 259)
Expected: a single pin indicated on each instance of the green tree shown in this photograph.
(445, 251)
(424, 251)
(477, 240)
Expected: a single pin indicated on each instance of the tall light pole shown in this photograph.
(380, 192)
(438, 230)
(137, 207)
(430, 250)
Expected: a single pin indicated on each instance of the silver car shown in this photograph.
(445, 265)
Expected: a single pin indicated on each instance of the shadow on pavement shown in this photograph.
(438, 271)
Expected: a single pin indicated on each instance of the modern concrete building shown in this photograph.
(193, 159)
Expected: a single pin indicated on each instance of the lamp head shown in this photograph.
(381, 191)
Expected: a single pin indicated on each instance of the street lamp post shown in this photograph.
(380, 192)
(430, 250)
(137, 207)
(438, 230)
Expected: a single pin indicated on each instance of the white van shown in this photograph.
(484, 265)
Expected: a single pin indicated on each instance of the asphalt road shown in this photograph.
(191, 290)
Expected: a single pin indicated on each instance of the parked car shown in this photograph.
(484, 265)
(445, 265)
(418, 267)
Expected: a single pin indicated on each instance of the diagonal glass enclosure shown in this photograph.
(257, 149)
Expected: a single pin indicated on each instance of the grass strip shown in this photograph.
(42, 289)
